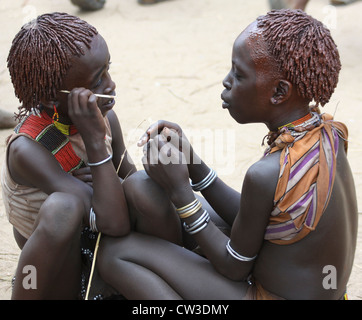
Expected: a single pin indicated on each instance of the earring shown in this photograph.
(274, 100)
(55, 117)
(35, 111)
(63, 128)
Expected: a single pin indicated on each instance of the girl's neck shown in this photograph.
(288, 117)
(53, 112)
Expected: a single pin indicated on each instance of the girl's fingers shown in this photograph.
(81, 101)
(150, 132)
(155, 129)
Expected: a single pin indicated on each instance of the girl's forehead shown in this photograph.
(96, 46)
(87, 65)
(96, 54)
(251, 50)
(251, 39)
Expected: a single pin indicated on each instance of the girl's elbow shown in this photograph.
(235, 274)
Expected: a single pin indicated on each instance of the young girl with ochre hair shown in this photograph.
(294, 225)
(66, 160)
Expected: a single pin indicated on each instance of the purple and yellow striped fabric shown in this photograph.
(307, 170)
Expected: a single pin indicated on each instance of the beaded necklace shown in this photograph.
(67, 129)
(297, 122)
(42, 129)
(295, 128)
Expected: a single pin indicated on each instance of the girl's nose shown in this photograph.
(226, 82)
(111, 87)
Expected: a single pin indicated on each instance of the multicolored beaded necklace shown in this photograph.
(43, 129)
(295, 128)
(67, 129)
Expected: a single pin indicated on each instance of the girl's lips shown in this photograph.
(225, 104)
(109, 101)
(109, 104)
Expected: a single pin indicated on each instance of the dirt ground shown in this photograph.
(168, 61)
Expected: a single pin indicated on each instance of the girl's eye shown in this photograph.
(98, 83)
(237, 76)
(100, 79)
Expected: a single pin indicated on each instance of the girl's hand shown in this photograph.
(156, 128)
(173, 134)
(167, 165)
(85, 115)
(84, 174)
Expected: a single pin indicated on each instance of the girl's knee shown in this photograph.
(111, 252)
(60, 216)
(111, 247)
(136, 183)
(151, 211)
(144, 194)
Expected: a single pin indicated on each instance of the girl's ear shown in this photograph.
(282, 92)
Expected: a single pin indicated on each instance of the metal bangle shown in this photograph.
(95, 164)
(199, 229)
(187, 207)
(92, 220)
(236, 255)
(206, 182)
(196, 222)
(204, 218)
(191, 212)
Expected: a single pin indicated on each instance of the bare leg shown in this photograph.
(151, 212)
(53, 250)
(144, 267)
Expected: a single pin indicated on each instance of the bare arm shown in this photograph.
(249, 226)
(121, 159)
(247, 233)
(108, 200)
(224, 199)
(32, 165)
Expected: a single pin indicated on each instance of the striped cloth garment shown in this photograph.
(307, 171)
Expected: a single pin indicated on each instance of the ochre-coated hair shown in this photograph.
(40, 55)
(305, 52)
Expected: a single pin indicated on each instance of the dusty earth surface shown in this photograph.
(168, 61)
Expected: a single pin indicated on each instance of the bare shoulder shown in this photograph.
(264, 173)
(29, 161)
(119, 147)
(117, 135)
(21, 149)
(113, 121)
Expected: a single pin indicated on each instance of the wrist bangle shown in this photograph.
(187, 207)
(191, 212)
(198, 224)
(206, 182)
(237, 255)
(92, 220)
(190, 209)
(95, 164)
